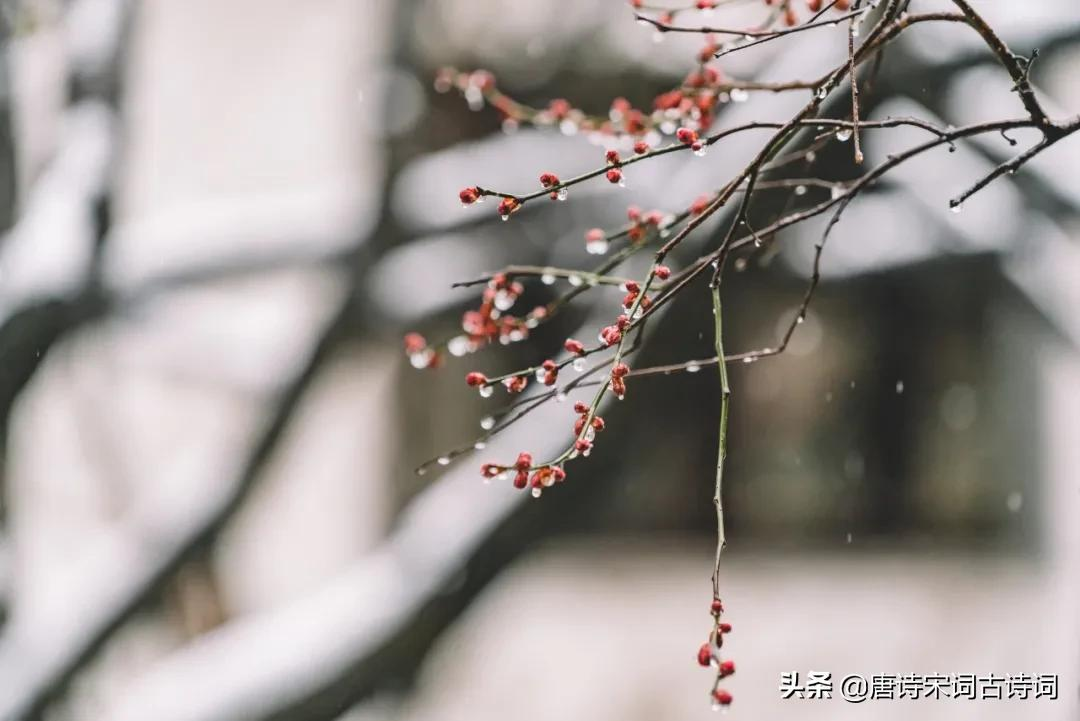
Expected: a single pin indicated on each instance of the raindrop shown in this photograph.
(800, 190)
(738, 95)
(801, 319)
(749, 359)
(443, 461)
(658, 37)
(598, 246)
(547, 279)
(458, 345)
(562, 194)
(899, 386)
(702, 151)
(821, 92)
(575, 280)
(504, 216)
(421, 359)
(487, 422)
(849, 537)
(692, 367)
(486, 391)
(560, 397)
(837, 191)
(843, 135)
(578, 364)
(479, 445)
(536, 492)
(955, 207)
(1014, 502)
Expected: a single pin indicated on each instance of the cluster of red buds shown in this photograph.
(641, 222)
(541, 477)
(709, 654)
(490, 322)
(688, 136)
(633, 291)
(420, 355)
(618, 379)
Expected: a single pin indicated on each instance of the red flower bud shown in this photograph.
(508, 206)
(631, 286)
(574, 346)
(641, 147)
(468, 196)
(686, 135)
(581, 445)
(614, 175)
(414, 343)
(521, 479)
(598, 423)
(727, 668)
(580, 408)
(612, 157)
(662, 272)
(725, 628)
(623, 322)
(717, 607)
(476, 379)
(704, 655)
(722, 697)
(490, 470)
(620, 370)
(549, 179)
(558, 474)
(524, 461)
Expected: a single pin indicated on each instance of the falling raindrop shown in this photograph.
(899, 386)
(487, 423)
(849, 537)
(1014, 502)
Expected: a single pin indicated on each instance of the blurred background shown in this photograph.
(220, 218)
